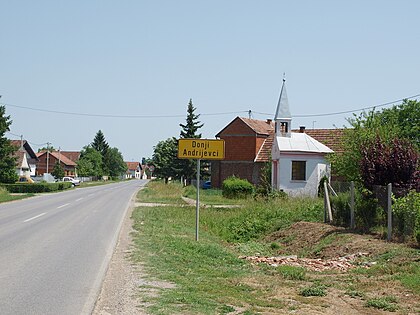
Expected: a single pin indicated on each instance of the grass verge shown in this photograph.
(207, 277)
(5, 196)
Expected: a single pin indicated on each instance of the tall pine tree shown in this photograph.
(189, 130)
(99, 144)
(7, 158)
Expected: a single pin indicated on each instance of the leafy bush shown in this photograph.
(341, 209)
(367, 211)
(406, 214)
(37, 187)
(386, 303)
(234, 187)
(393, 162)
(314, 290)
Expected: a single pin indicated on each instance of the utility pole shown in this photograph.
(48, 155)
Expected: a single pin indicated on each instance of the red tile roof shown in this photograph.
(26, 146)
(59, 156)
(265, 151)
(132, 165)
(72, 155)
(261, 127)
(332, 138)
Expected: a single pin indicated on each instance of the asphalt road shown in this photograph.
(55, 248)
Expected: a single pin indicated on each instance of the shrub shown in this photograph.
(341, 209)
(393, 162)
(367, 210)
(37, 187)
(386, 303)
(234, 187)
(314, 290)
(406, 213)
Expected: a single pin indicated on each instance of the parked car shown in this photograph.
(74, 181)
(207, 184)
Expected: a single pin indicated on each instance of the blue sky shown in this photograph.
(148, 58)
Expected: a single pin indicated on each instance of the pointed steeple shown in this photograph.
(283, 118)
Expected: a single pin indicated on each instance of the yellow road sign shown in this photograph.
(204, 149)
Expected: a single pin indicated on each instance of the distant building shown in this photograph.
(27, 160)
(134, 170)
(47, 161)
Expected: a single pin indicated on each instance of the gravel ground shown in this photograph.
(120, 286)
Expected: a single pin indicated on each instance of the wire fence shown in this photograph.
(390, 211)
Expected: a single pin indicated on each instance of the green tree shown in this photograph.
(7, 150)
(115, 164)
(99, 143)
(58, 170)
(189, 130)
(400, 121)
(406, 120)
(165, 159)
(90, 162)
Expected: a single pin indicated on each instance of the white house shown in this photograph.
(134, 170)
(26, 159)
(298, 160)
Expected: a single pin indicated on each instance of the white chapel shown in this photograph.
(298, 160)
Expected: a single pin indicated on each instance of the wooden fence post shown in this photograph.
(327, 201)
(352, 225)
(389, 234)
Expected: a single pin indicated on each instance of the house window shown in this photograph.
(298, 170)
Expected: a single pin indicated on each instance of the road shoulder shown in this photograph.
(120, 286)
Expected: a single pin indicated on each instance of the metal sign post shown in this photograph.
(206, 149)
(197, 202)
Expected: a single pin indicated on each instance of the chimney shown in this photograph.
(302, 129)
(269, 121)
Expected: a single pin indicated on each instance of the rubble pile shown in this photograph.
(341, 263)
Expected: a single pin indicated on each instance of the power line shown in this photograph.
(115, 116)
(204, 114)
(348, 111)
(19, 136)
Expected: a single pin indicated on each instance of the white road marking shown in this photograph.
(37, 216)
(62, 206)
(79, 199)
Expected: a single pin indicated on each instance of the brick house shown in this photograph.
(68, 165)
(247, 150)
(72, 155)
(248, 144)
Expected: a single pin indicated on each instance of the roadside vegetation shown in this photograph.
(5, 196)
(212, 276)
